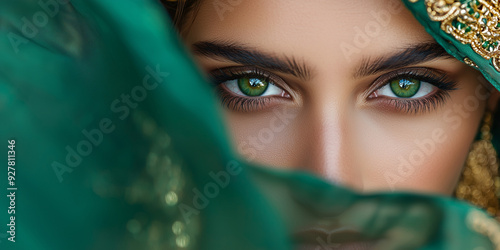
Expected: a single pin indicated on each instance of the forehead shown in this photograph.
(293, 23)
(328, 35)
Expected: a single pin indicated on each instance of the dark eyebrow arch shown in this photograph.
(248, 56)
(412, 55)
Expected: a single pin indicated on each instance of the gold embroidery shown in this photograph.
(475, 22)
(469, 62)
(478, 184)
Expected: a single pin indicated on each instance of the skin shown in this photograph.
(334, 130)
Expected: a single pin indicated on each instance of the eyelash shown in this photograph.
(239, 103)
(444, 85)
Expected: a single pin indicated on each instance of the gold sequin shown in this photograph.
(171, 198)
(178, 228)
(182, 240)
(159, 189)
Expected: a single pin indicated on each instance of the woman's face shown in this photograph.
(354, 91)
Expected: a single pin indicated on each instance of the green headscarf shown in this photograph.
(469, 30)
(119, 145)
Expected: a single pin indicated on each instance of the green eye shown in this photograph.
(406, 87)
(252, 86)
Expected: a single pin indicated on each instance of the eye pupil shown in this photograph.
(252, 86)
(406, 87)
(405, 84)
(256, 83)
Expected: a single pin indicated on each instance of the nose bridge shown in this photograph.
(329, 142)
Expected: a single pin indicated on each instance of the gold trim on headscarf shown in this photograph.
(474, 22)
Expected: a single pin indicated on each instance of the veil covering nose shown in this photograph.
(120, 145)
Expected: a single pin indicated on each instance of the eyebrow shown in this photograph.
(248, 56)
(415, 54)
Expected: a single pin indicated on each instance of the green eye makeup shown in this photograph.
(405, 88)
(253, 86)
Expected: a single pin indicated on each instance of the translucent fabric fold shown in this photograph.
(120, 145)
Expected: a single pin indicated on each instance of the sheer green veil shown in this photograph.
(119, 145)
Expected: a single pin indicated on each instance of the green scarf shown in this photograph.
(119, 145)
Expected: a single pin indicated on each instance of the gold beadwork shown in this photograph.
(479, 182)
(470, 63)
(475, 23)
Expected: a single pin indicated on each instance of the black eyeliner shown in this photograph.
(239, 103)
(444, 84)
(434, 77)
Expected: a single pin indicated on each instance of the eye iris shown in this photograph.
(252, 86)
(405, 88)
